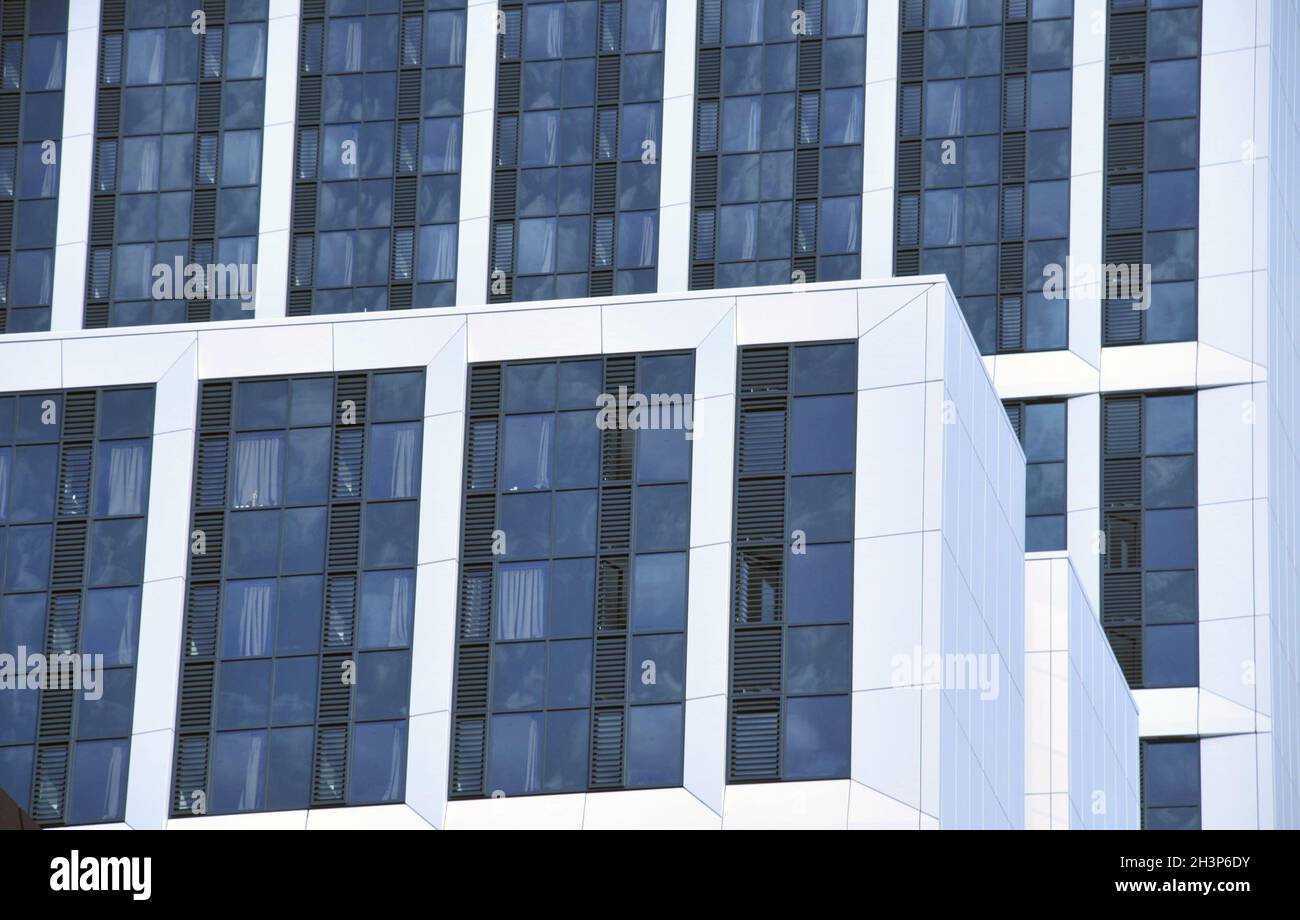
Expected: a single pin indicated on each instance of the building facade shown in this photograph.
(1105, 185)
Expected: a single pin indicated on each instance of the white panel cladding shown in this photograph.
(955, 506)
(278, 144)
(478, 131)
(880, 97)
(1280, 23)
(76, 148)
(1081, 723)
(677, 150)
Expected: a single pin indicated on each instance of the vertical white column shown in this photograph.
(476, 153)
(677, 148)
(162, 610)
(1087, 158)
(278, 143)
(880, 138)
(1083, 535)
(708, 622)
(77, 153)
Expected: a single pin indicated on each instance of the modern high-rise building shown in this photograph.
(607, 413)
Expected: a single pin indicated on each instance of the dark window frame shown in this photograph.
(1127, 158)
(610, 705)
(341, 571)
(401, 287)
(66, 590)
(758, 656)
(15, 101)
(1007, 306)
(805, 261)
(1124, 613)
(601, 274)
(1016, 414)
(202, 243)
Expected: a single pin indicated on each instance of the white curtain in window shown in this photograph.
(350, 33)
(258, 462)
(405, 468)
(644, 255)
(394, 783)
(126, 638)
(254, 626)
(113, 782)
(403, 600)
(533, 781)
(438, 255)
(554, 32)
(126, 479)
(542, 468)
(250, 793)
(523, 603)
(149, 165)
(748, 242)
(847, 130)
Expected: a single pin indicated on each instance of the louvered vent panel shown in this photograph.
(607, 748)
(56, 713)
(1122, 481)
(79, 415)
(709, 73)
(191, 774)
(69, 553)
(344, 536)
(611, 669)
(612, 594)
(1122, 599)
(349, 448)
(197, 680)
(340, 621)
(481, 468)
(1016, 416)
(485, 389)
(759, 591)
(202, 606)
(206, 543)
(329, 782)
(764, 370)
(467, 764)
(475, 619)
(1126, 36)
(762, 435)
(615, 518)
(210, 479)
(1122, 426)
(74, 480)
(480, 520)
(755, 740)
(50, 782)
(472, 678)
(616, 454)
(1125, 148)
(911, 56)
(1123, 531)
(1011, 323)
(337, 675)
(1126, 643)
(760, 510)
(1123, 323)
(214, 407)
(756, 660)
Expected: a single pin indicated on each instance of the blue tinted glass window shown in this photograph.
(570, 519)
(314, 593)
(102, 448)
(791, 637)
